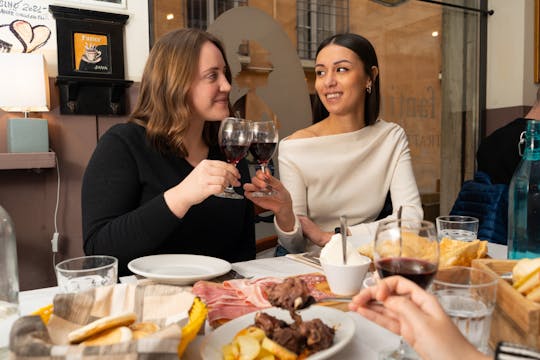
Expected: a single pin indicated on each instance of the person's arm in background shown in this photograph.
(404, 308)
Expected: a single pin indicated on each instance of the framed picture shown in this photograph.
(119, 4)
(537, 41)
(90, 43)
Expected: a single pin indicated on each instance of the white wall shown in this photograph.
(510, 54)
(136, 39)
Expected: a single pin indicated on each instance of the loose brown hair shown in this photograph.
(162, 106)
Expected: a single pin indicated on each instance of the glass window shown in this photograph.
(318, 19)
(201, 13)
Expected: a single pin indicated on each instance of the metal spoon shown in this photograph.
(343, 230)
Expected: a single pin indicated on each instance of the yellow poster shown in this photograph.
(91, 52)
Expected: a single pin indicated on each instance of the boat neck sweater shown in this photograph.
(346, 174)
(125, 215)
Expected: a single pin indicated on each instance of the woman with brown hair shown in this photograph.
(149, 184)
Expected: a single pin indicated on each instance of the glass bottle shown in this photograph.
(524, 199)
(9, 280)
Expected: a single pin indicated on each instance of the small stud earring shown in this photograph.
(368, 89)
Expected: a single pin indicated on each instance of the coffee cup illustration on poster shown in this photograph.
(91, 52)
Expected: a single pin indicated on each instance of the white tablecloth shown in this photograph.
(367, 342)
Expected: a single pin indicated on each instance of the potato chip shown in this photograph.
(249, 347)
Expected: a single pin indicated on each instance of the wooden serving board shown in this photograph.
(515, 318)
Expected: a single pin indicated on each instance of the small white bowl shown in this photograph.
(346, 280)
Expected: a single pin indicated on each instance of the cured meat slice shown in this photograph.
(234, 298)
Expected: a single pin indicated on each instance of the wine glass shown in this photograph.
(406, 247)
(234, 139)
(263, 145)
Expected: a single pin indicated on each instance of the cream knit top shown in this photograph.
(346, 174)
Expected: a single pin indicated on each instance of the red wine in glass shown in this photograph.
(406, 247)
(419, 271)
(234, 139)
(262, 152)
(234, 153)
(263, 146)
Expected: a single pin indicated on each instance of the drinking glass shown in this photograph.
(234, 139)
(86, 272)
(406, 247)
(468, 296)
(263, 146)
(457, 227)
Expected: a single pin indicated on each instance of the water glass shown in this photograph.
(457, 227)
(86, 272)
(468, 296)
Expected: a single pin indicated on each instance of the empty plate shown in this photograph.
(179, 269)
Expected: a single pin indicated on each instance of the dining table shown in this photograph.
(369, 338)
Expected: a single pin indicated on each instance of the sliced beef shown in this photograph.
(289, 338)
(291, 294)
(268, 323)
(318, 335)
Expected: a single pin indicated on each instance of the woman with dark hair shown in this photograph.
(347, 161)
(149, 184)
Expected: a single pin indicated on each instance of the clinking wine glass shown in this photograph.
(263, 146)
(406, 247)
(234, 139)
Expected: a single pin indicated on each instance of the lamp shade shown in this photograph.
(26, 83)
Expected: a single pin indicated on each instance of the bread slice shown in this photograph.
(110, 336)
(143, 329)
(523, 270)
(107, 322)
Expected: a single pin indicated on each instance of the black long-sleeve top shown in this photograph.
(124, 213)
(498, 154)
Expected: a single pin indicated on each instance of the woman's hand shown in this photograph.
(408, 310)
(208, 178)
(313, 232)
(279, 202)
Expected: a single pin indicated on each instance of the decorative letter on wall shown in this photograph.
(286, 91)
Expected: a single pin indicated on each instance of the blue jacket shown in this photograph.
(489, 203)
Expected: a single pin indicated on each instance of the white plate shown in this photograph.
(344, 325)
(179, 269)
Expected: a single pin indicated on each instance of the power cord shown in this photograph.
(56, 235)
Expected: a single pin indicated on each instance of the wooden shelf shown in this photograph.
(41, 160)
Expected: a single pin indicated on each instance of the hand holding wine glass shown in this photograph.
(263, 146)
(234, 139)
(404, 308)
(406, 247)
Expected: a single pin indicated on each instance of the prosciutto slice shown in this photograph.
(234, 298)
